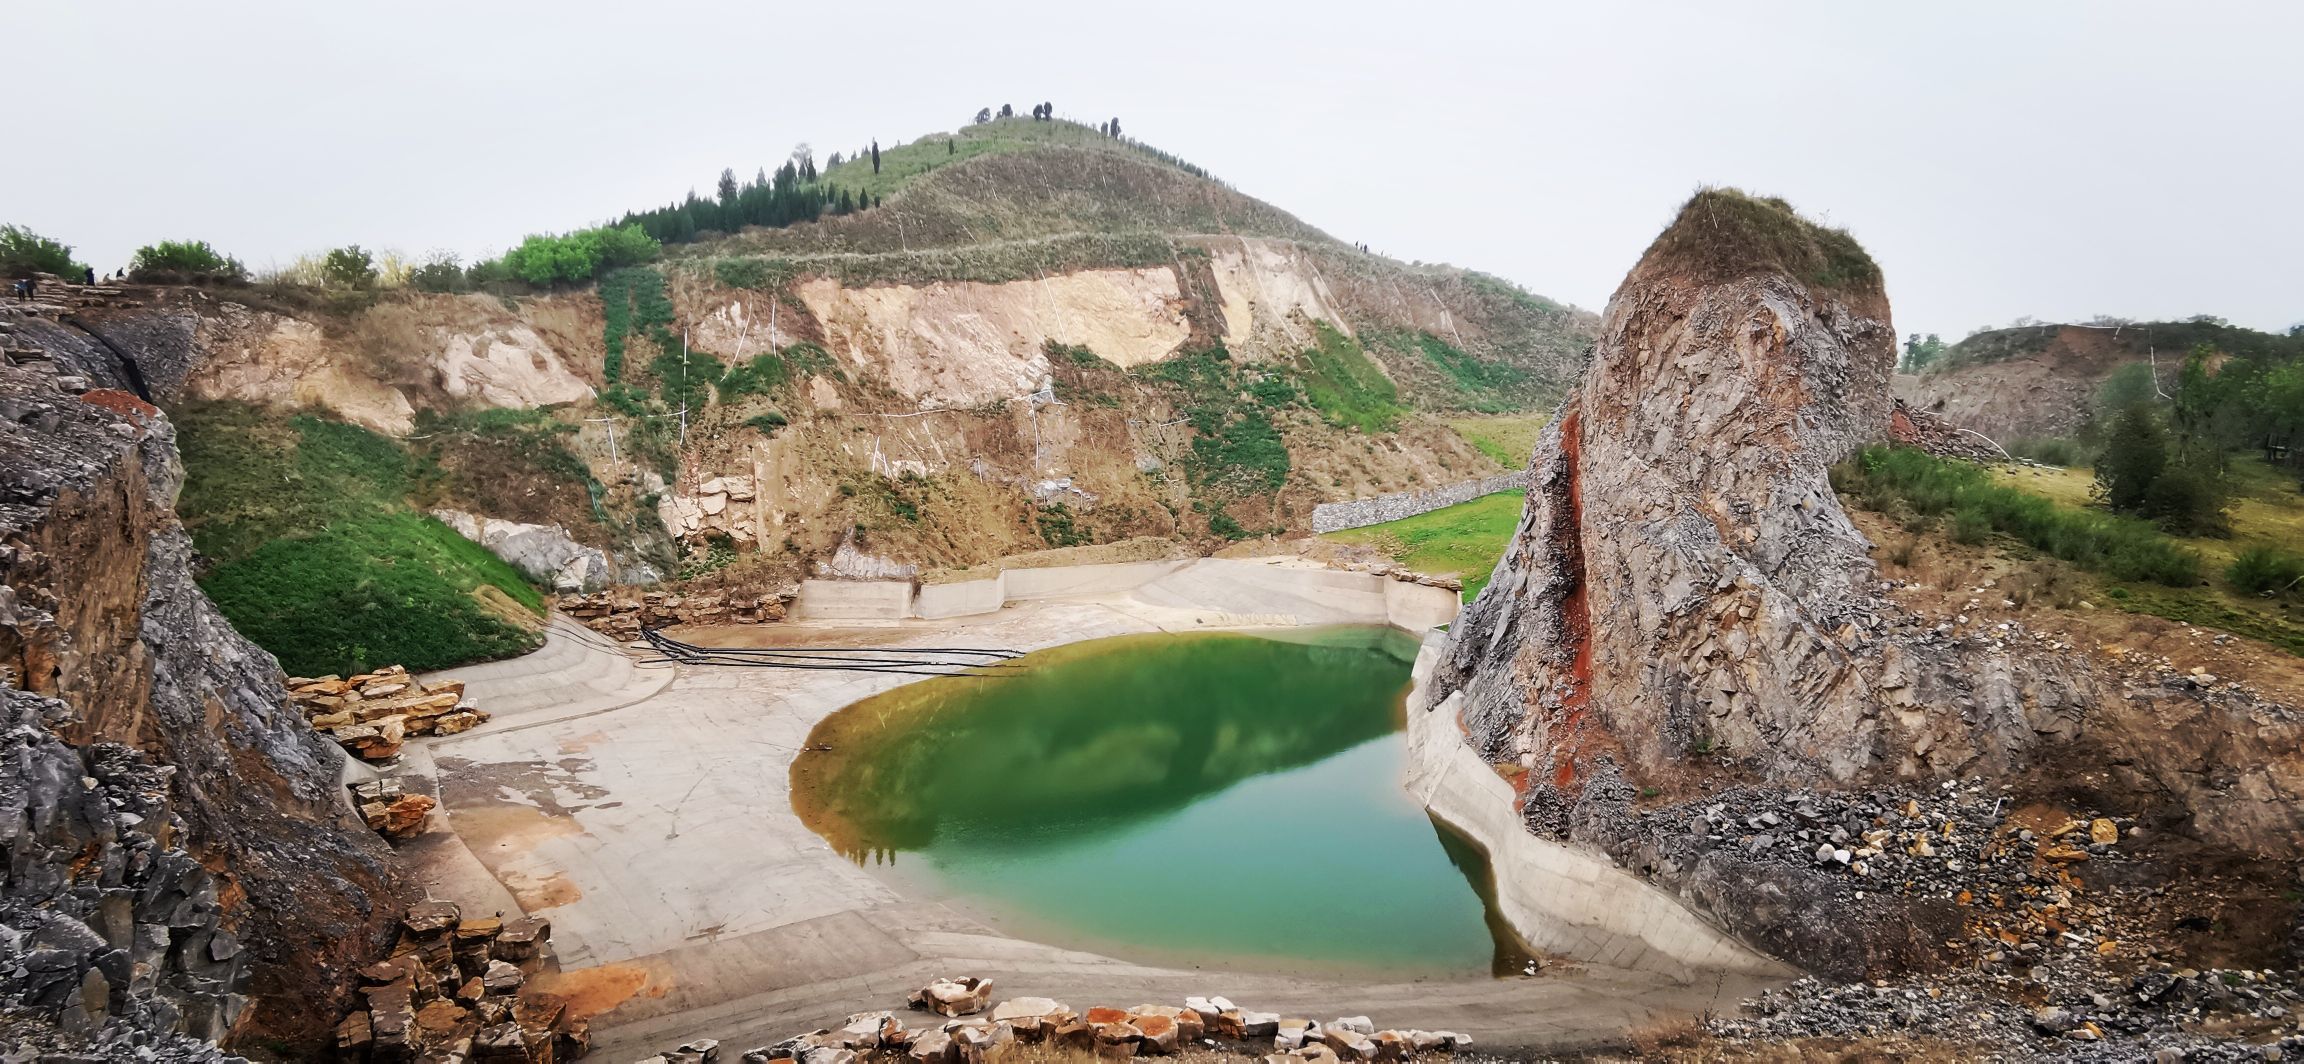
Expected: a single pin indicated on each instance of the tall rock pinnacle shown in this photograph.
(1684, 577)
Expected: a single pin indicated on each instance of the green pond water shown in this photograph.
(1222, 800)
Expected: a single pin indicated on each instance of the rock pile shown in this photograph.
(455, 989)
(373, 714)
(966, 1037)
(391, 808)
(1933, 434)
(621, 613)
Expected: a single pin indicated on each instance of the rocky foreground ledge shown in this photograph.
(966, 1028)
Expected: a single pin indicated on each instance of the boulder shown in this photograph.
(953, 997)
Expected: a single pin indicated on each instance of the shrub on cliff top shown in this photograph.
(1722, 234)
(184, 260)
(23, 251)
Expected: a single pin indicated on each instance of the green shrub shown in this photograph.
(184, 260)
(1971, 525)
(1058, 527)
(350, 266)
(23, 251)
(1073, 353)
(2262, 570)
(440, 273)
(761, 374)
(543, 259)
(686, 381)
(767, 423)
(1222, 524)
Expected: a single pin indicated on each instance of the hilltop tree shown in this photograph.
(1115, 129)
(1007, 111)
(1920, 353)
(440, 272)
(184, 260)
(983, 115)
(350, 266)
(875, 155)
(728, 187)
(833, 162)
(23, 251)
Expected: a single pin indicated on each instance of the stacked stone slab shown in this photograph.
(963, 1034)
(455, 989)
(621, 614)
(373, 714)
(391, 808)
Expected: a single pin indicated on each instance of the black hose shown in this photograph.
(916, 661)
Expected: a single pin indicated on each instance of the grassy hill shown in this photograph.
(316, 546)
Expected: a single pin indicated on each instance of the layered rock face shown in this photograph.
(1686, 615)
(179, 850)
(1684, 576)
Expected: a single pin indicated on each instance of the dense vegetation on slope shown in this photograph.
(2246, 582)
(314, 552)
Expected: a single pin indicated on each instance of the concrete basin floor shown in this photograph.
(687, 900)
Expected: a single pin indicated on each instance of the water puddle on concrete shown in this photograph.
(1211, 799)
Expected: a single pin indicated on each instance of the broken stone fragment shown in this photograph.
(429, 918)
(522, 939)
(502, 977)
(953, 997)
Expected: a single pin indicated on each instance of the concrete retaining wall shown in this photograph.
(1561, 899)
(853, 600)
(1359, 513)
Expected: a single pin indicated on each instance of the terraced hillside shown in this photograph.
(1023, 336)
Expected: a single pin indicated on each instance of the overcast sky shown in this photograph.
(2000, 159)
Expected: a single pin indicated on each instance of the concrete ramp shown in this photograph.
(1256, 589)
(576, 671)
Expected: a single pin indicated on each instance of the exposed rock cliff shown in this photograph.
(1687, 609)
(179, 853)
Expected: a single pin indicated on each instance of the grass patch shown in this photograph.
(1511, 441)
(1920, 488)
(1236, 450)
(1723, 234)
(391, 589)
(314, 552)
(1346, 386)
(1487, 387)
(1466, 539)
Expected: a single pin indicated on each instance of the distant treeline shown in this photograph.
(795, 193)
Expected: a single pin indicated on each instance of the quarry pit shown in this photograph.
(688, 898)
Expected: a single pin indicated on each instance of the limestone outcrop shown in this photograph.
(545, 554)
(1686, 609)
(182, 860)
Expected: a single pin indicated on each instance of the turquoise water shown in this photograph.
(1216, 799)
